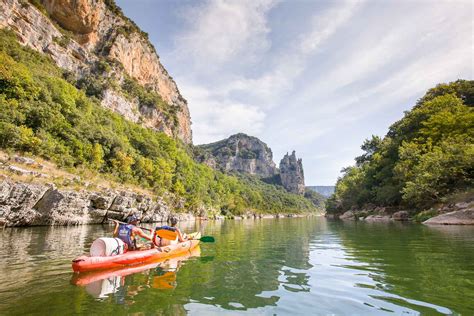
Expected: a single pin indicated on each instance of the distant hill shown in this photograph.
(324, 190)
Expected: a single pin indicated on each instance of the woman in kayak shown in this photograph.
(160, 241)
(128, 232)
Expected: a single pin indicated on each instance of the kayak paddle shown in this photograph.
(144, 228)
(207, 239)
(168, 234)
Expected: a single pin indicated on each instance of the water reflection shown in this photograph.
(264, 266)
(412, 267)
(123, 284)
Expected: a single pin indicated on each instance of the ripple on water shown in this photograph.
(284, 267)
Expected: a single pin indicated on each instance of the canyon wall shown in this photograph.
(94, 41)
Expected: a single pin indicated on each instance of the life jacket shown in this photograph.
(125, 234)
(173, 229)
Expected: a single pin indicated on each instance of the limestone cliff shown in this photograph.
(240, 153)
(32, 204)
(94, 41)
(291, 173)
(248, 154)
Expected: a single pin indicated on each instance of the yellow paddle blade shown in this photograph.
(166, 234)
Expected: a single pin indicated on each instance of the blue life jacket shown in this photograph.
(125, 233)
(173, 229)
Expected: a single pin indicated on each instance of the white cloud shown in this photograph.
(352, 62)
(222, 31)
(324, 26)
(214, 119)
(213, 107)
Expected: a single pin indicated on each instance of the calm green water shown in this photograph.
(305, 266)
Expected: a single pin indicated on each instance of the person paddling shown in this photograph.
(128, 232)
(161, 241)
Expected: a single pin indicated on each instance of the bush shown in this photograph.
(424, 157)
(42, 113)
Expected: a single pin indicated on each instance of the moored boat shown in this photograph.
(88, 263)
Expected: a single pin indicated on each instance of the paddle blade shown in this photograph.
(167, 234)
(207, 239)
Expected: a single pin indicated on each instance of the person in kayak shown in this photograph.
(180, 237)
(128, 232)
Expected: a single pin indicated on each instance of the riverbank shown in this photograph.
(34, 192)
(459, 210)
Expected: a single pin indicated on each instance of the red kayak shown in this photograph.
(88, 263)
(83, 279)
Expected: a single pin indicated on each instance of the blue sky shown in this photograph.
(317, 77)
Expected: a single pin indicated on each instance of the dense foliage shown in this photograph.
(43, 114)
(426, 156)
(316, 198)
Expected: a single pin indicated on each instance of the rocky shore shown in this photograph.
(461, 213)
(31, 204)
(34, 204)
(375, 215)
(34, 192)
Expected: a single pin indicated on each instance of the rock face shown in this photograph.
(240, 153)
(462, 217)
(82, 36)
(291, 173)
(248, 154)
(29, 204)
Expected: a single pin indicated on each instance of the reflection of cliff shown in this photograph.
(408, 264)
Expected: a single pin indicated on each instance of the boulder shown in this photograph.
(400, 216)
(62, 207)
(102, 201)
(349, 215)
(20, 171)
(462, 217)
(123, 202)
(461, 205)
(378, 218)
(17, 201)
(24, 160)
(97, 216)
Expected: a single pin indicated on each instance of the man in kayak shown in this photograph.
(128, 232)
(161, 241)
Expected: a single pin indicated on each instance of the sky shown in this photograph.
(313, 76)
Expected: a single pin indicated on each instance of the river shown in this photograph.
(291, 266)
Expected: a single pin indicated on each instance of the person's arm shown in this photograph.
(180, 235)
(116, 229)
(140, 233)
